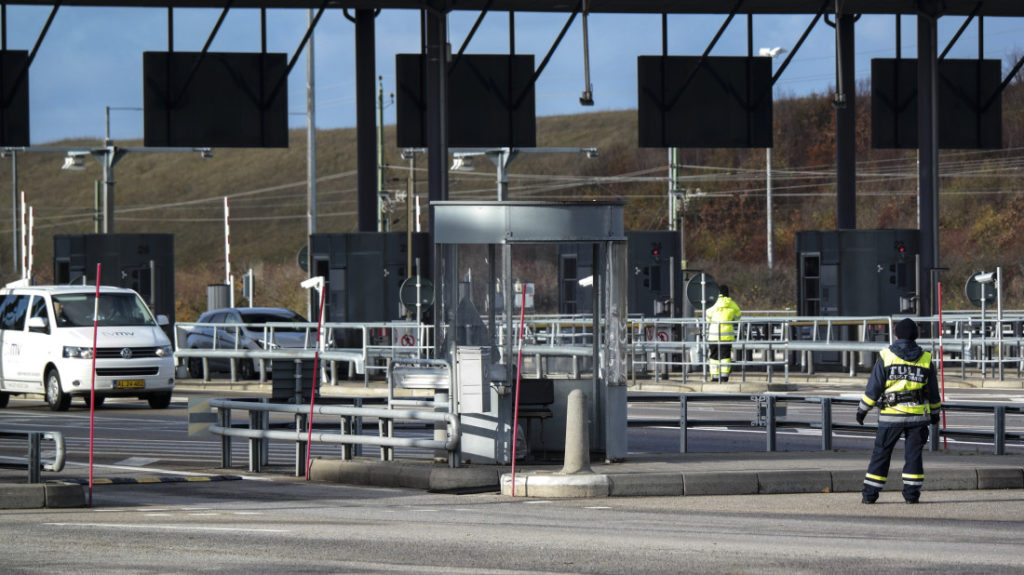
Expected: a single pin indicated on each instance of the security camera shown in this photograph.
(313, 283)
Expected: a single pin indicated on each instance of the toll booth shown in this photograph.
(364, 271)
(478, 342)
(142, 262)
(855, 273)
(655, 282)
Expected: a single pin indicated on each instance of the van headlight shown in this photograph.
(163, 351)
(78, 352)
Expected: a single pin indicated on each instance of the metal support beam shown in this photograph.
(928, 159)
(366, 120)
(436, 74)
(846, 131)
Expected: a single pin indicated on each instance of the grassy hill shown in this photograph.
(980, 207)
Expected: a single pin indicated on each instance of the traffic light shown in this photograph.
(655, 249)
(901, 249)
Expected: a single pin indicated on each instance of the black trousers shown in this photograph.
(913, 466)
(719, 358)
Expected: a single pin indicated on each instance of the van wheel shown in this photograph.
(4, 398)
(160, 401)
(55, 396)
(99, 400)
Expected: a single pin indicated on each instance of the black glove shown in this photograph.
(935, 418)
(861, 414)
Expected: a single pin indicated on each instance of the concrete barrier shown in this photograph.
(1001, 478)
(645, 485)
(41, 495)
(720, 483)
(802, 481)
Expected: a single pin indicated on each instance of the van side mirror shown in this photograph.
(40, 324)
(162, 320)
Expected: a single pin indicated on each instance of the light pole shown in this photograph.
(771, 53)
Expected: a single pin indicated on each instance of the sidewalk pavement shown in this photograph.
(671, 474)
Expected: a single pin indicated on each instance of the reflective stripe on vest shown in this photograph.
(906, 376)
(722, 321)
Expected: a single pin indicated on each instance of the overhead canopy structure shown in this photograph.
(907, 7)
(840, 14)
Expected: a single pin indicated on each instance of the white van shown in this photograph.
(46, 333)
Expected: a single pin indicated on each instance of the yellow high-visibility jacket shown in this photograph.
(721, 319)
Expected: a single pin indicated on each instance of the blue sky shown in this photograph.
(92, 57)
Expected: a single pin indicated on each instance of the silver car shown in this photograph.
(249, 325)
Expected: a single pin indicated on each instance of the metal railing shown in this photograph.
(378, 342)
(33, 458)
(769, 412)
(259, 433)
(563, 345)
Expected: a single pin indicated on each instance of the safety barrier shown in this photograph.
(258, 431)
(769, 413)
(33, 459)
(563, 345)
(378, 342)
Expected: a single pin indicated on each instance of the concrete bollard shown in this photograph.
(577, 435)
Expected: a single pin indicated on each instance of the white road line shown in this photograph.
(123, 526)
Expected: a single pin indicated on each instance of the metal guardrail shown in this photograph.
(772, 344)
(378, 343)
(33, 459)
(258, 430)
(769, 413)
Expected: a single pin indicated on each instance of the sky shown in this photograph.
(91, 58)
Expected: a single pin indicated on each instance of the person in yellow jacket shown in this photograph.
(902, 386)
(721, 318)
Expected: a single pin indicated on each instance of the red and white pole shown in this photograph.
(316, 377)
(227, 253)
(24, 237)
(92, 387)
(31, 242)
(519, 371)
(942, 366)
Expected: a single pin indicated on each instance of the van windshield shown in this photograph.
(121, 309)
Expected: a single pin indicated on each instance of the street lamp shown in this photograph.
(771, 53)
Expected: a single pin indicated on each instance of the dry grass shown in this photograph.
(182, 194)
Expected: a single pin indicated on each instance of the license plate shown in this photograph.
(129, 383)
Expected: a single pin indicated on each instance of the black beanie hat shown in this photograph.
(723, 290)
(906, 329)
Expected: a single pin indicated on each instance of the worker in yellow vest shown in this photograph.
(902, 386)
(721, 334)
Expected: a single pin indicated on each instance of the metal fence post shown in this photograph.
(1000, 429)
(265, 425)
(255, 443)
(346, 429)
(33, 456)
(682, 424)
(826, 424)
(224, 414)
(770, 421)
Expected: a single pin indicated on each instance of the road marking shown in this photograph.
(137, 461)
(122, 526)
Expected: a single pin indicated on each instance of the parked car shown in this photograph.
(248, 324)
(46, 333)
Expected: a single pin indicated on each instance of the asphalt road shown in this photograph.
(130, 437)
(289, 526)
(275, 523)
